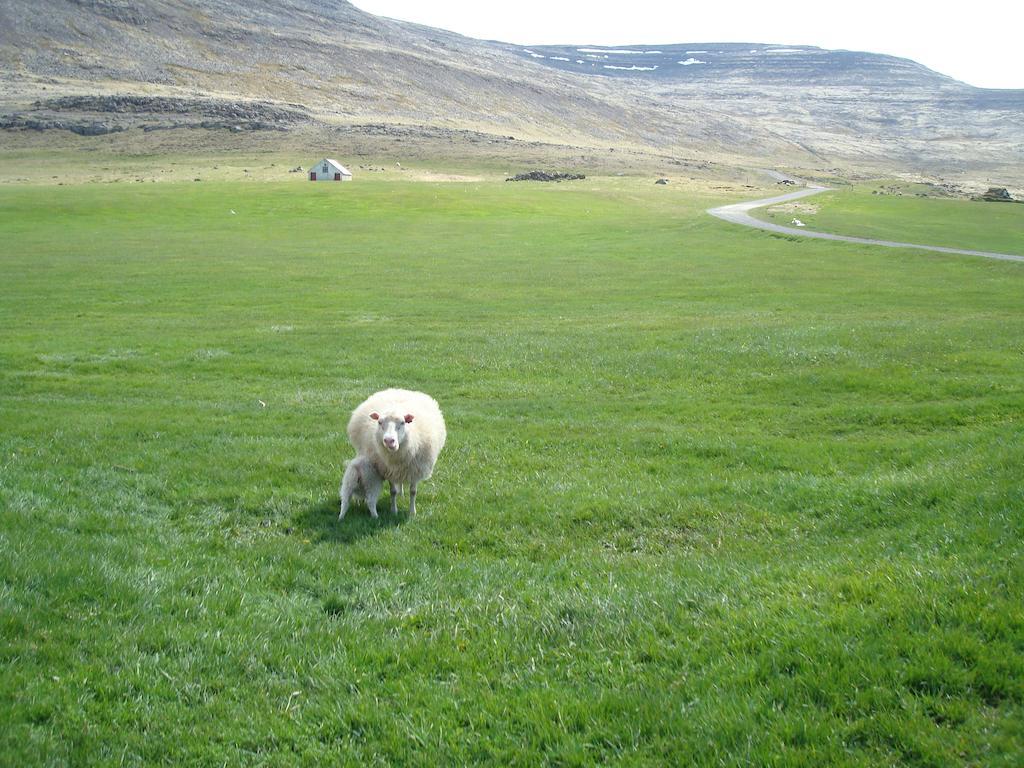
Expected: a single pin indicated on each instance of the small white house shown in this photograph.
(329, 170)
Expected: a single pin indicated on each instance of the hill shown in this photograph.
(226, 64)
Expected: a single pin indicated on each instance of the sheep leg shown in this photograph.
(412, 499)
(371, 501)
(394, 499)
(344, 500)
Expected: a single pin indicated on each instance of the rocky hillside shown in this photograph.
(338, 62)
(843, 105)
(94, 66)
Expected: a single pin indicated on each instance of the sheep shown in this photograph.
(402, 432)
(361, 478)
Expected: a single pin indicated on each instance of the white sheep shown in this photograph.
(361, 478)
(401, 432)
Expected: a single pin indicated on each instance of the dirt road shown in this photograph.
(739, 213)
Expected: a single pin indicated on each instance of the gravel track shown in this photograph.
(739, 213)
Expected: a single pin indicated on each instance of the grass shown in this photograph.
(954, 223)
(710, 497)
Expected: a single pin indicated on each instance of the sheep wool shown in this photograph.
(403, 432)
(360, 479)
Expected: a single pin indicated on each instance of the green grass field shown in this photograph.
(710, 496)
(954, 223)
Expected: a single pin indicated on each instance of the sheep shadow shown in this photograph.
(320, 521)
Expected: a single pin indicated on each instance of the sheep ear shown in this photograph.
(374, 415)
(408, 418)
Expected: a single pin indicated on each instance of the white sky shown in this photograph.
(981, 42)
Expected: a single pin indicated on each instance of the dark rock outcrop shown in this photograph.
(99, 115)
(997, 195)
(81, 127)
(218, 109)
(546, 176)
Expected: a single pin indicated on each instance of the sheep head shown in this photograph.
(391, 429)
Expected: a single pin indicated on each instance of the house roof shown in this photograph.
(337, 165)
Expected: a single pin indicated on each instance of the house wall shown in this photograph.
(328, 174)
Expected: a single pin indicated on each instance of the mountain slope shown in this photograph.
(833, 104)
(736, 62)
(338, 64)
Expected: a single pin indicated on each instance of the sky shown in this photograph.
(981, 43)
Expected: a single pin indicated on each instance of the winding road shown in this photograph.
(739, 213)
